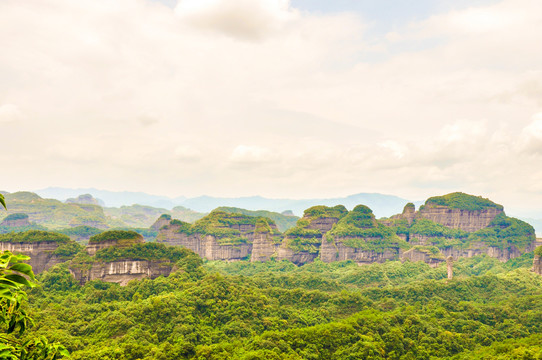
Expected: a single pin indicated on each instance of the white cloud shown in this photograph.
(251, 155)
(187, 153)
(245, 19)
(9, 113)
(133, 86)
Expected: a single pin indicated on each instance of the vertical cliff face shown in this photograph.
(41, 253)
(359, 237)
(302, 243)
(465, 220)
(45, 248)
(430, 255)
(122, 271)
(460, 211)
(224, 236)
(537, 262)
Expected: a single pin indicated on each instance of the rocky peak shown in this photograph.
(163, 220)
(460, 211)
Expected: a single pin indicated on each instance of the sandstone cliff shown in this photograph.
(430, 255)
(41, 253)
(224, 236)
(122, 271)
(163, 220)
(537, 261)
(302, 243)
(44, 248)
(359, 237)
(465, 220)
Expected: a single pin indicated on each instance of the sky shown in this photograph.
(299, 99)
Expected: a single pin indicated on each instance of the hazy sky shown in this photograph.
(308, 98)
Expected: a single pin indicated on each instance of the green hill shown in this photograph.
(284, 222)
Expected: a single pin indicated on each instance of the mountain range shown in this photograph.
(383, 205)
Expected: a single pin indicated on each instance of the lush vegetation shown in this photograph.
(538, 251)
(276, 310)
(144, 251)
(34, 236)
(322, 211)
(14, 319)
(284, 222)
(227, 227)
(16, 216)
(462, 201)
(359, 229)
(505, 231)
(80, 232)
(116, 235)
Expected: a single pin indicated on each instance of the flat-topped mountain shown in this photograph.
(44, 248)
(223, 236)
(457, 225)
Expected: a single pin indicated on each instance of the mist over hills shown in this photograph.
(383, 205)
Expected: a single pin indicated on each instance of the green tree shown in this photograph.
(14, 320)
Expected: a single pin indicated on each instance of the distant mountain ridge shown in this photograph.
(383, 205)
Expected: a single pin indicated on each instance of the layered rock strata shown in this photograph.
(433, 259)
(41, 253)
(224, 236)
(122, 271)
(302, 243)
(465, 220)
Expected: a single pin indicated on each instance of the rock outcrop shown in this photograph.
(466, 220)
(537, 261)
(44, 248)
(224, 236)
(431, 256)
(302, 243)
(360, 238)
(162, 221)
(41, 253)
(122, 271)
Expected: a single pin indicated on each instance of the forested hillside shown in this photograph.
(275, 310)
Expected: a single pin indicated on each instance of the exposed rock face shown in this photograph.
(537, 264)
(331, 251)
(419, 255)
(481, 248)
(264, 247)
(163, 220)
(41, 253)
(16, 220)
(122, 271)
(297, 257)
(450, 267)
(465, 220)
(409, 214)
(302, 243)
(258, 245)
